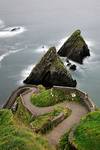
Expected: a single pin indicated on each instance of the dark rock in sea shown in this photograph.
(69, 64)
(67, 60)
(75, 48)
(15, 29)
(73, 67)
(50, 71)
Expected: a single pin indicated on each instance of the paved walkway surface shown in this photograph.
(78, 110)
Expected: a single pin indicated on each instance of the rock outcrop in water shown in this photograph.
(75, 48)
(50, 71)
(73, 67)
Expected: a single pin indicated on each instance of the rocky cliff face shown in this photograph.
(50, 71)
(75, 48)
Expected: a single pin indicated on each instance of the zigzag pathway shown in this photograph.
(78, 110)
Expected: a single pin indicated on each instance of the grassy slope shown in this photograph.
(51, 97)
(63, 143)
(15, 137)
(22, 113)
(87, 134)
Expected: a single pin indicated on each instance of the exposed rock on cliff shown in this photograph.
(75, 48)
(50, 71)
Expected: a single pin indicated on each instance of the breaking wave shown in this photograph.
(60, 43)
(42, 49)
(25, 73)
(11, 31)
(8, 53)
(2, 24)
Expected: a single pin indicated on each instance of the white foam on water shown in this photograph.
(90, 59)
(8, 33)
(9, 53)
(60, 43)
(1, 23)
(90, 43)
(25, 73)
(81, 69)
(42, 49)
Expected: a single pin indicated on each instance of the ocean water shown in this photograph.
(47, 23)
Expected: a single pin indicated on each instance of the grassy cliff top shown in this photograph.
(15, 137)
(87, 134)
(52, 96)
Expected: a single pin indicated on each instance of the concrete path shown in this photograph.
(78, 110)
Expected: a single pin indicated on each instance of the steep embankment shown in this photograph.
(86, 136)
(14, 137)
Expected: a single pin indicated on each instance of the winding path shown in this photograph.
(78, 110)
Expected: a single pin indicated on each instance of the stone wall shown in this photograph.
(83, 96)
(21, 96)
(86, 100)
(70, 138)
(16, 93)
(50, 124)
(68, 90)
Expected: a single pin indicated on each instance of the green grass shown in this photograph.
(39, 122)
(63, 143)
(44, 123)
(15, 137)
(22, 113)
(41, 88)
(87, 134)
(51, 97)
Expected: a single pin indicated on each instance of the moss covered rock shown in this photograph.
(50, 71)
(75, 48)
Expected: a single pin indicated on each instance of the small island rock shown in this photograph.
(73, 67)
(75, 48)
(50, 71)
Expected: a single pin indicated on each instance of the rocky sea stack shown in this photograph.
(50, 71)
(75, 48)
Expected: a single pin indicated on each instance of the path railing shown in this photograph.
(16, 93)
(83, 96)
(25, 89)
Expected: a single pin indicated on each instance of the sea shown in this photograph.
(29, 28)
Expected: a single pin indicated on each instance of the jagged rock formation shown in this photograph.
(50, 71)
(75, 48)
